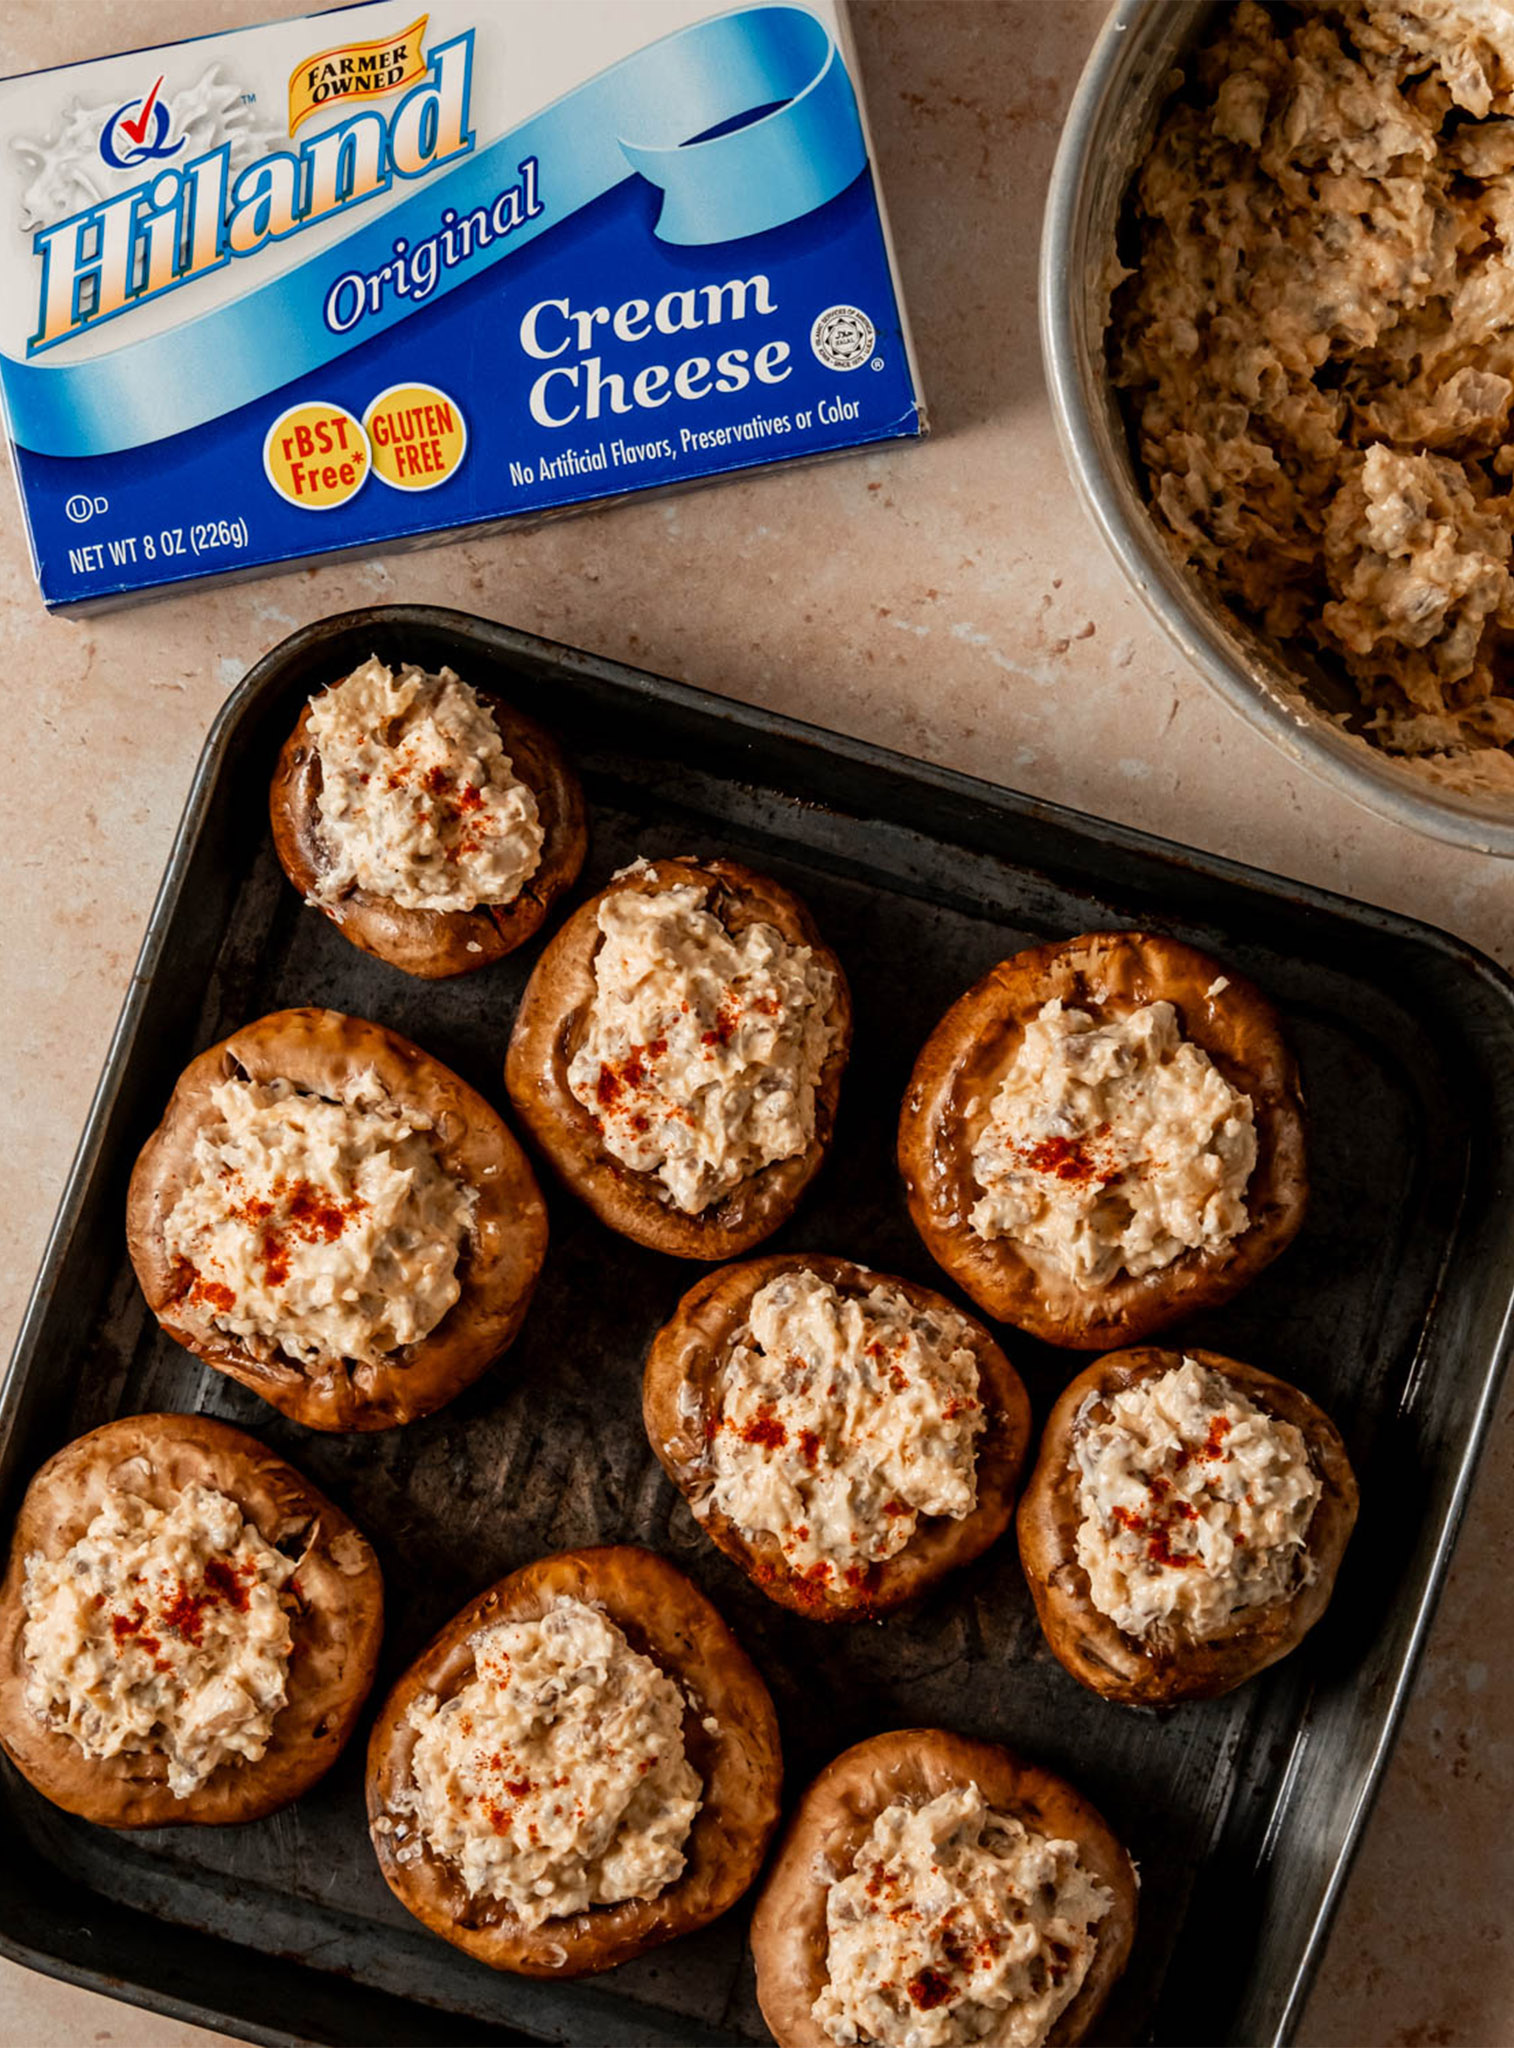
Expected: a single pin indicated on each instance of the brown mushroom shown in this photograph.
(679, 1406)
(552, 1021)
(730, 1734)
(321, 1051)
(958, 1074)
(790, 1932)
(436, 943)
(335, 1607)
(1171, 1663)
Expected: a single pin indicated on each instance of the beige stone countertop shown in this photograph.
(948, 600)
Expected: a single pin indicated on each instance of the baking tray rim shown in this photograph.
(649, 686)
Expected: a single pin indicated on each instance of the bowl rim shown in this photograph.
(1172, 599)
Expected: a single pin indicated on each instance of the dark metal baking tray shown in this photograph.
(1392, 1309)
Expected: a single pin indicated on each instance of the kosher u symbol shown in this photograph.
(129, 137)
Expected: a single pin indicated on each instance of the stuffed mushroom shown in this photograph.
(582, 1765)
(848, 1438)
(1104, 1135)
(1184, 1524)
(333, 1218)
(188, 1628)
(432, 822)
(678, 1055)
(932, 1892)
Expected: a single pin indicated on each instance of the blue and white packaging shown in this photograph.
(365, 279)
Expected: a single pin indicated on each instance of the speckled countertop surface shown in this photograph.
(948, 600)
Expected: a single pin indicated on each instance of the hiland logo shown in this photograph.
(186, 221)
(130, 137)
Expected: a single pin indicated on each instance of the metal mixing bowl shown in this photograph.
(1119, 98)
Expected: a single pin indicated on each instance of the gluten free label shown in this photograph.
(316, 456)
(418, 435)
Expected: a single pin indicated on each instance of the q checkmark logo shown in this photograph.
(145, 136)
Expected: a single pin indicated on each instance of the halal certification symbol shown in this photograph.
(842, 338)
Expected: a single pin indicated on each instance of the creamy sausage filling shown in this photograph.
(837, 1421)
(1315, 340)
(702, 1047)
(419, 802)
(957, 1924)
(1113, 1145)
(161, 1630)
(325, 1229)
(1195, 1503)
(556, 1779)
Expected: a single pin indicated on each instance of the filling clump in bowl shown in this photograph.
(1315, 337)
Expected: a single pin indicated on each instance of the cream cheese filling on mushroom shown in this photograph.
(419, 802)
(702, 1047)
(957, 1924)
(556, 1778)
(1113, 1145)
(838, 1421)
(1195, 1503)
(161, 1629)
(325, 1229)
(1318, 342)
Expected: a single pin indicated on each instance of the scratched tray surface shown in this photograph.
(1240, 1812)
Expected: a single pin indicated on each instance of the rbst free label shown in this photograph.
(317, 456)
